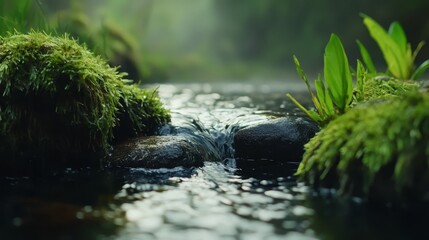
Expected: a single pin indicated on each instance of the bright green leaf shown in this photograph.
(398, 61)
(397, 33)
(324, 98)
(337, 73)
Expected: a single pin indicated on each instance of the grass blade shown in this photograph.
(360, 79)
(310, 113)
(420, 70)
(303, 76)
(327, 107)
(366, 57)
(417, 50)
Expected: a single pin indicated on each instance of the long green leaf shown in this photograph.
(366, 57)
(420, 70)
(301, 73)
(337, 73)
(303, 76)
(398, 62)
(310, 113)
(417, 50)
(360, 79)
(327, 107)
(397, 33)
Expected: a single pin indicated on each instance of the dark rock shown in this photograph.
(265, 168)
(280, 139)
(158, 152)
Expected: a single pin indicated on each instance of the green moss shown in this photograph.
(380, 151)
(377, 88)
(141, 113)
(58, 100)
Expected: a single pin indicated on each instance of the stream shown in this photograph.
(216, 201)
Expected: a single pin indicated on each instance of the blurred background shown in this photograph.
(217, 40)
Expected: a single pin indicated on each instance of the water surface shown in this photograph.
(216, 201)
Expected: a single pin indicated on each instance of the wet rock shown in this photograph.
(158, 152)
(280, 139)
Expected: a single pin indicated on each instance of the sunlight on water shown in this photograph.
(215, 203)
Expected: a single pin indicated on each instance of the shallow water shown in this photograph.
(216, 201)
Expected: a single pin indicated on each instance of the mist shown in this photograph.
(222, 40)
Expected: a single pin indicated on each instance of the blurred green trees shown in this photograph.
(270, 32)
(21, 15)
(224, 39)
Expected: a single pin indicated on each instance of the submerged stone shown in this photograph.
(280, 139)
(158, 152)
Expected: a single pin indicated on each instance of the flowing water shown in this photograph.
(216, 201)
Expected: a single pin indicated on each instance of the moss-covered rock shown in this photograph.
(379, 151)
(59, 101)
(140, 112)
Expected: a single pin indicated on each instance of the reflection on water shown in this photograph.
(216, 201)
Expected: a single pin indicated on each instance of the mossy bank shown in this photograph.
(378, 151)
(374, 138)
(61, 104)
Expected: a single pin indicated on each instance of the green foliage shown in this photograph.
(58, 100)
(334, 94)
(380, 151)
(378, 147)
(21, 15)
(337, 74)
(396, 50)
